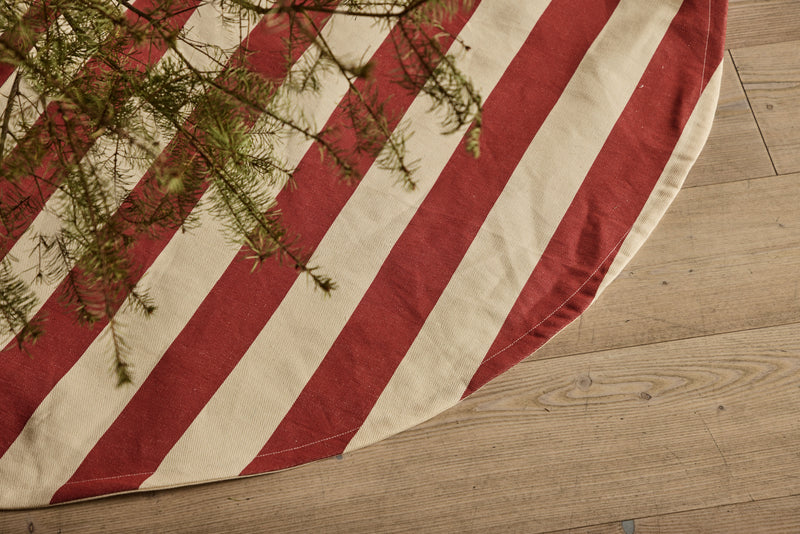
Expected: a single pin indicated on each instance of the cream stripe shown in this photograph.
(238, 420)
(85, 402)
(438, 366)
(5, 89)
(23, 258)
(686, 152)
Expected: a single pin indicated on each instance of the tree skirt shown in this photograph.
(594, 112)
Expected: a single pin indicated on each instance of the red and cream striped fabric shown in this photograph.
(594, 112)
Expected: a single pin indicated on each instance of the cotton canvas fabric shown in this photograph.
(594, 112)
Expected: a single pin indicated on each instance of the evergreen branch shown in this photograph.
(99, 109)
(395, 161)
(16, 305)
(432, 84)
(347, 168)
(121, 365)
(7, 113)
(270, 228)
(289, 7)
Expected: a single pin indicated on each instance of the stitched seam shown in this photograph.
(258, 456)
(568, 299)
(705, 52)
(308, 444)
(107, 478)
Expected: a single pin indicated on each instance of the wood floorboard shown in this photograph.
(757, 22)
(770, 515)
(687, 423)
(771, 78)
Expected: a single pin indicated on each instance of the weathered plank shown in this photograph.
(771, 78)
(725, 257)
(773, 515)
(735, 149)
(757, 22)
(552, 444)
(770, 515)
(626, 526)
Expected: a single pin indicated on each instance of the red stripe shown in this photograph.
(64, 343)
(29, 192)
(239, 305)
(27, 31)
(387, 320)
(578, 256)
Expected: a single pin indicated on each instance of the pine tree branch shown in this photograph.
(101, 97)
(7, 113)
(347, 168)
(274, 235)
(294, 8)
(348, 72)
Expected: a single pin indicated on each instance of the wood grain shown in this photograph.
(771, 78)
(774, 515)
(757, 22)
(771, 515)
(735, 149)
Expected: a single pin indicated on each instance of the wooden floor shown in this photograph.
(672, 406)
